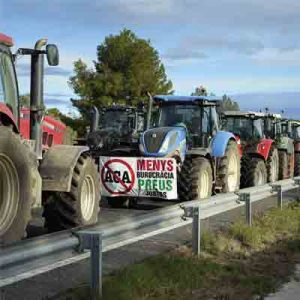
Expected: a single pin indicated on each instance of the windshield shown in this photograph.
(8, 88)
(245, 128)
(284, 128)
(121, 121)
(197, 119)
(297, 132)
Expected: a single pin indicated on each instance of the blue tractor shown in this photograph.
(186, 128)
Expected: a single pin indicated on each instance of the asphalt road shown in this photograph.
(49, 285)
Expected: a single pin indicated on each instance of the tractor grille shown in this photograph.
(154, 138)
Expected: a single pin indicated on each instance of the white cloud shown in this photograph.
(277, 57)
(146, 7)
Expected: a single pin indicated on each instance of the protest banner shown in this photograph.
(138, 177)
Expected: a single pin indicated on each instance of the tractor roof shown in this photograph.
(236, 113)
(6, 40)
(206, 100)
(274, 116)
(117, 107)
(125, 108)
(294, 122)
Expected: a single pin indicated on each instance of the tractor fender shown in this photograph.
(264, 147)
(57, 167)
(219, 143)
(7, 117)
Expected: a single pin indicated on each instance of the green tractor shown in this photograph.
(280, 130)
(291, 128)
(115, 130)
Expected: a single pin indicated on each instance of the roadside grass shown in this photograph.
(239, 262)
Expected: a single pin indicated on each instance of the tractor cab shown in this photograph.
(114, 128)
(295, 129)
(244, 125)
(197, 115)
(179, 124)
(121, 119)
(274, 126)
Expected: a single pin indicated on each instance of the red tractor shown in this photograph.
(64, 179)
(53, 130)
(260, 158)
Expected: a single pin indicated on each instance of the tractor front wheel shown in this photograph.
(254, 172)
(228, 172)
(273, 165)
(283, 165)
(195, 179)
(80, 206)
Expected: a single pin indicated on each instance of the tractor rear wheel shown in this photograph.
(80, 206)
(297, 164)
(273, 165)
(18, 187)
(195, 179)
(254, 172)
(228, 172)
(283, 165)
(291, 159)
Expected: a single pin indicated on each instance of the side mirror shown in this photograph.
(52, 55)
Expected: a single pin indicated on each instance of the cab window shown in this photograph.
(8, 87)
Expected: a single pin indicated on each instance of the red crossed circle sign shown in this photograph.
(127, 187)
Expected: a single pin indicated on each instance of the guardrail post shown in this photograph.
(92, 241)
(196, 230)
(278, 188)
(248, 208)
(194, 212)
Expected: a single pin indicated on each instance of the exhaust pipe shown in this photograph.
(94, 119)
(149, 111)
(37, 96)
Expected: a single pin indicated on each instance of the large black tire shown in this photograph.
(195, 179)
(291, 160)
(273, 165)
(18, 186)
(254, 172)
(283, 165)
(229, 169)
(64, 210)
(297, 164)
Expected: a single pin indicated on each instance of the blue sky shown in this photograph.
(246, 48)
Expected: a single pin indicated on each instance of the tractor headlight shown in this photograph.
(141, 147)
(165, 145)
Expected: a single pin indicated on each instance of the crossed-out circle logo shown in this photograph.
(117, 177)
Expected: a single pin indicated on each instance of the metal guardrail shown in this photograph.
(29, 258)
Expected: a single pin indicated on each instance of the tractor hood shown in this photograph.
(164, 142)
(108, 139)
